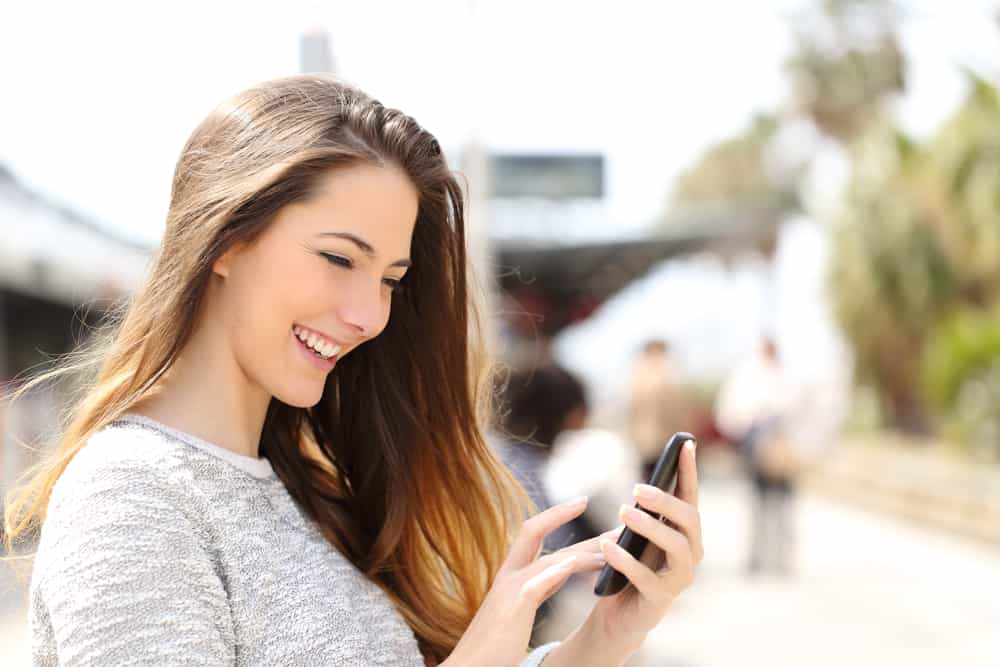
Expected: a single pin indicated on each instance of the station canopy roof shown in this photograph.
(566, 273)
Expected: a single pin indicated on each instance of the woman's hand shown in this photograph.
(631, 614)
(618, 624)
(500, 630)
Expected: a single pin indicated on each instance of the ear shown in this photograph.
(222, 264)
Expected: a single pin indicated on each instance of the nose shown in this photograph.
(361, 329)
(365, 314)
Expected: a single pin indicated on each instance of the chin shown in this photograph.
(299, 399)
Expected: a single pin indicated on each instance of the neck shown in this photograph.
(206, 393)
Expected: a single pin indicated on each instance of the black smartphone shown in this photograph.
(610, 581)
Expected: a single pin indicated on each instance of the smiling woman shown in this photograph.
(275, 455)
(335, 287)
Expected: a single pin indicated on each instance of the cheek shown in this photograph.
(258, 320)
(272, 296)
(297, 286)
(386, 313)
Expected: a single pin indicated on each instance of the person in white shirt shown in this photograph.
(755, 409)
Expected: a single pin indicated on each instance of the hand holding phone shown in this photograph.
(610, 581)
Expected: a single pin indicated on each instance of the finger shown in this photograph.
(612, 534)
(590, 556)
(679, 514)
(540, 585)
(672, 541)
(644, 579)
(687, 480)
(589, 546)
(687, 491)
(586, 555)
(528, 542)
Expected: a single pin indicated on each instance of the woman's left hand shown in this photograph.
(626, 618)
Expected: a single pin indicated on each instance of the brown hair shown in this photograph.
(424, 508)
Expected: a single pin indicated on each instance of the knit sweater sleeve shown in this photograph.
(124, 576)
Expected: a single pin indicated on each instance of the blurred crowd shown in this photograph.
(546, 437)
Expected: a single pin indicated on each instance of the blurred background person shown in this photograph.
(536, 406)
(754, 409)
(656, 408)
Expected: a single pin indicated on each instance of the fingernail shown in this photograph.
(629, 512)
(582, 500)
(693, 446)
(643, 491)
(600, 557)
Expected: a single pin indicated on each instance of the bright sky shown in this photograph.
(99, 97)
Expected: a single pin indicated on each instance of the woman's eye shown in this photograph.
(396, 286)
(338, 260)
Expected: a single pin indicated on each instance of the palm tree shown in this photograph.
(917, 240)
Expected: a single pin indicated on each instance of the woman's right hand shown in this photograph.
(500, 630)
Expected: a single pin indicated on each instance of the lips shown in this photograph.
(313, 358)
(324, 345)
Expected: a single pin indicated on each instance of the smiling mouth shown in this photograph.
(324, 349)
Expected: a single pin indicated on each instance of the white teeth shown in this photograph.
(321, 346)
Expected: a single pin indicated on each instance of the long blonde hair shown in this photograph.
(424, 507)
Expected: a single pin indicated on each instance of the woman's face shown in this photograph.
(324, 271)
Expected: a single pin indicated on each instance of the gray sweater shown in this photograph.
(160, 548)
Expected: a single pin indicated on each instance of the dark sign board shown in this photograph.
(547, 176)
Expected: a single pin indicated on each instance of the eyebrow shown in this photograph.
(364, 246)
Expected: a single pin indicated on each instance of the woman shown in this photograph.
(268, 469)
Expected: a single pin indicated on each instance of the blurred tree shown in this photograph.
(740, 175)
(961, 372)
(848, 62)
(736, 170)
(888, 275)
(961, 190)
(918, 234)
(919, 238)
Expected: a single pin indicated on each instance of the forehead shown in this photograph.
(376, 202)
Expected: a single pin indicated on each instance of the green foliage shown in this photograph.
(961, 373)
(735, 173)
(847, 63)
(919, 239)
(962, 191)
(963, 344)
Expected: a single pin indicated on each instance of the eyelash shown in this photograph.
(396, 286)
